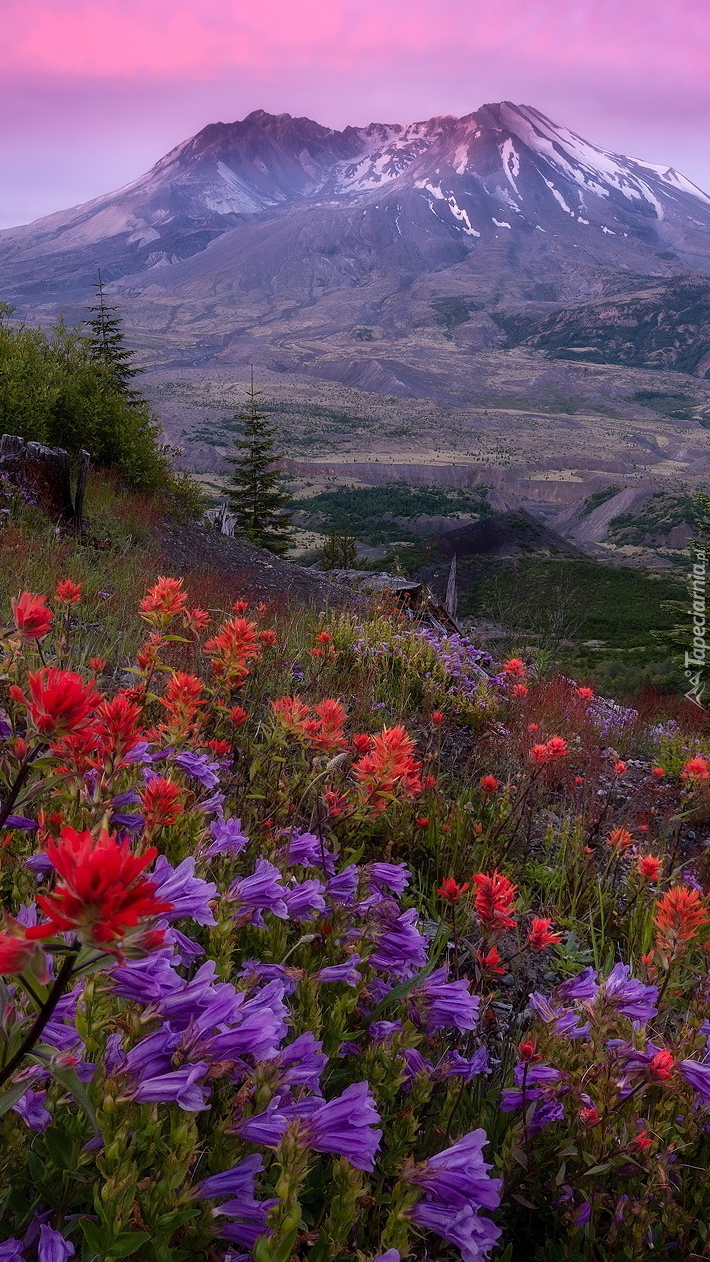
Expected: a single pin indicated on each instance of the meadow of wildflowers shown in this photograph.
(331, 939)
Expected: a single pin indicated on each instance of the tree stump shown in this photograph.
(45, 472)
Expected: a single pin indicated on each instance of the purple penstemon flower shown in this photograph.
(259, 892)
(458, 1175)
(189, 894)
(301, 1063)
(442, 1005)
(237, 1181)
(345, 1126)
(52, 1246)
(30, 1107)
(12, 1251)
(582, 987)
(454, 1065)
(400, 948)
(200, 766)
(697, 1076)
(306, 850)
(227, 838)
(564, 1021)
(305, 900)
(630, 997)
(21, 822)
(393, 877)
(341, 887)
(346, 972)
(181, 1087)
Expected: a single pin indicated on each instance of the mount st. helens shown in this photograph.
(479, 271)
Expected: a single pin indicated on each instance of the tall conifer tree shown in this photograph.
(257, 496)
(107, 343)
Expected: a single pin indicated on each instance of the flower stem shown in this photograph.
(43, 1016)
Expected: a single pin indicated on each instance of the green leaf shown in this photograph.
(126, 1243)
(68, 1079)
(94, 1236)
(12, 1095)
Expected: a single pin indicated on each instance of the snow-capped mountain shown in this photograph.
(502, 169)
(278, 232)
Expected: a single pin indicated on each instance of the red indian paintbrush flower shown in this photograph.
(488, 783)
(293, 715)
(329, 735)
(196, 620)
(59, 701)
(100, 893)
(163, 601)
(162, 802)
(514, 666)
(182, 700)
(620, 840)
(697, 771)
(494, 899)
(390, 768)
(15, 953)
(679, 915)
(649, 867)
(451, 891)
(232, 649)
(68, 592)
(555, 748)
(660, 1067)
(31, 616)
(117, 726)
(490, 961)
(540, 935)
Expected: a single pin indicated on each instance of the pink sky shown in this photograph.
(93, 92)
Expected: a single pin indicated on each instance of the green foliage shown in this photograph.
(256, 492)
(662, 513)
(339, 551)
(54, 390)
(598, 498)
(378, 514)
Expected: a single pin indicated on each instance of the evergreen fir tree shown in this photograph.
(107, 343)
(256, 493)
(339, 551)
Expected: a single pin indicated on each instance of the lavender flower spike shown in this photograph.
(444, 1005)
(458, 1175)
(631, 998)
(189, 894)
(345, 1126)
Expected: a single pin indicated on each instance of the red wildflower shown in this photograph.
(238, 715)
(579, 779)
(329, 735)
(240, 607)
(527, 1051)
(268, 638)
(520, 690)
(679, 915)
(316, 653)
(182, 700)
(641, 1142)
(589, 1116)
(488, 783)
(196, 620)
(660, 1067)
(324, 637)
(148, 653)
(620, 839)
(390, 768)
(619, 768)
(696, 771)
(68, 592)
(649, 867)
(422, 821)
(163, 601)
(97, 664)
(540, 935)
(362, 742)
(293, 715)
(31, 616)
(658, 772)
(100, 892)
(555, 748)
(585, 694)
(59, 702)
(117, 727)
(533, 727)
(232, 649)
(515, 667)
(451, 891)
(15, 953)
(162, 802)
(336, 803)
(490, 962)
(437, 716)
(494, 900)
